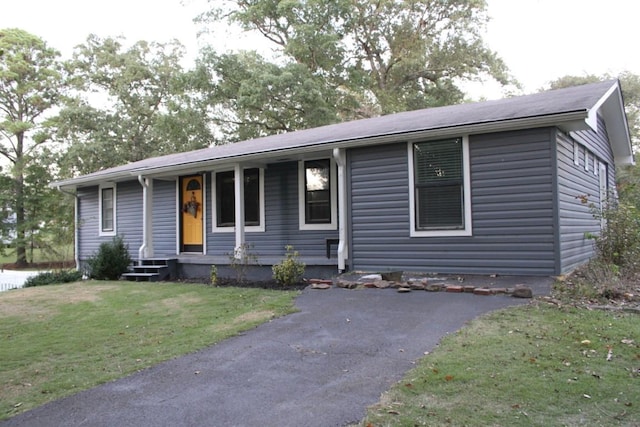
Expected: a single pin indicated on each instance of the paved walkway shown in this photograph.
(321, 366)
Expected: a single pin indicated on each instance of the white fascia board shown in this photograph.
(611, 106)
(574, 119)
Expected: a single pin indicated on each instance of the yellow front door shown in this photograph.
(192, 210)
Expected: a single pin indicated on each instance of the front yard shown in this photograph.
(60, 339)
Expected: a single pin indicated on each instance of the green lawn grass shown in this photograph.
(533, 365)
(60, 339)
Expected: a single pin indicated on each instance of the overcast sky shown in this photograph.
(539, 40)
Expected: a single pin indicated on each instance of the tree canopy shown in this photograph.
(128, 104)
(351, 58)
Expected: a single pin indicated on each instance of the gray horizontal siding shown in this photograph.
(129, 214)
(512, 198)
(282, 224)
(164, 217)
(128, 218)
(576, 218)
(88, 218)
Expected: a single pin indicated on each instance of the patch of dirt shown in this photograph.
(40, 302)
(176, 304)
(254, 316)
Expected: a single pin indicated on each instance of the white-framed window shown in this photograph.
(107, 210)
(587, 160)
(317, 194)
(440, 188)
(576, 153)
(224, 207)
(595, 165)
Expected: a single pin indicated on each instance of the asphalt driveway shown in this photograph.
(320, 367)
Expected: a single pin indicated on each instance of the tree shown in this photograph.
(253, 97)
(30, 81)
(373, 56)
(129, 104)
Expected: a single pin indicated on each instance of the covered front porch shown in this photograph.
(223, 226)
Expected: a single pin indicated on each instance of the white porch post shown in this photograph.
(343, 254)
(238, 182)
(146, 250)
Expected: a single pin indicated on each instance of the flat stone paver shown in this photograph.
(321, 366)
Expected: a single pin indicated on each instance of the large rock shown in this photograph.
(522, 292)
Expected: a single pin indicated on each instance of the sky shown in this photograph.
(540, 40)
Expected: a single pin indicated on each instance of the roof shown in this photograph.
(570, 108)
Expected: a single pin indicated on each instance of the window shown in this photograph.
(317, 194)
(107, 202)
(225, 209)
(587, 161)
(576, 153)
(439, 197)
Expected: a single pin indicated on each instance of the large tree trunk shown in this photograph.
(18, 176)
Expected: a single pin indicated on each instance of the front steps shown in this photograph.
(152, 270)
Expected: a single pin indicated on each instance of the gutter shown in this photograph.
(76, 254)
(575, 118)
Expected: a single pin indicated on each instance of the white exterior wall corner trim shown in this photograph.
(468, 226)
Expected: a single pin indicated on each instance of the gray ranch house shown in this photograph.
(494, 187)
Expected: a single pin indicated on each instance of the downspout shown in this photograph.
(339, 157)
(146, 250)
(76, 244)
(238, 182)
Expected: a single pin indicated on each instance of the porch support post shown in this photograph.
(238, 182)
(146, 250)
(340, 158)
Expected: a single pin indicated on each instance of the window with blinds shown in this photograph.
(439, 185)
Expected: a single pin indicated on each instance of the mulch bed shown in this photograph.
(264, 284)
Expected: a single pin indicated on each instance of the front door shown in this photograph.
(191, 214)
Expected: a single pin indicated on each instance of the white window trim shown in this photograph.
(587, 162)
(468, 229)
(595, 165)
(214, 214)
(576, 153)
(113, 232)
(333, 178)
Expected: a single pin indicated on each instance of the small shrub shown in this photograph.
(213, 275)
(111, 260)
(241, 259)
(619, 241)
(290, 270)
(53, 278)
